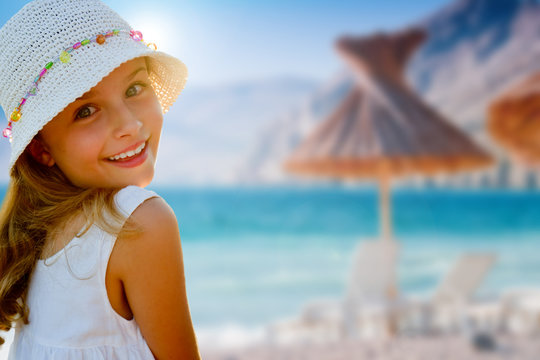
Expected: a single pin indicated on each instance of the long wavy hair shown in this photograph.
(39, 200)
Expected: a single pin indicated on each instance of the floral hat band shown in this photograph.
(65, 57)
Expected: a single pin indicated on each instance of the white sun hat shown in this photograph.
(54, 51)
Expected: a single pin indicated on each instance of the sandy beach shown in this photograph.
(404, 348)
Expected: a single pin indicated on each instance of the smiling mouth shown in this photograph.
(128, 154)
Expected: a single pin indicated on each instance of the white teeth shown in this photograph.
(128, 153)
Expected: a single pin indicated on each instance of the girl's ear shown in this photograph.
(40, 153)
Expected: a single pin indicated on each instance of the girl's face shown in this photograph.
(109, 136)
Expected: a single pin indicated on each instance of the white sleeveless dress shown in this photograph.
(70, 313)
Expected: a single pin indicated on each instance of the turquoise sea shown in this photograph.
(255, 255)
(259, 254)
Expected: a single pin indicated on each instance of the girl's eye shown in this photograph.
(135, 89)
(85, 112)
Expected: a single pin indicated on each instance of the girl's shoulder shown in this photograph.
(148, 211)
(144, 208)
(154, 224)
(131, 197)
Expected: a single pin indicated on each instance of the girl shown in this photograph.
(90, 262)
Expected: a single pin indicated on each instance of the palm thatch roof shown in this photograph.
(382, 127)
(514, 119)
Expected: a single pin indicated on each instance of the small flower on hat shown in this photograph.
(136, 35)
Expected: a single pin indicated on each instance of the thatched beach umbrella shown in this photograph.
(514, 119)
(383, 129)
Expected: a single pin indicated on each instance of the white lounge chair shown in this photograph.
(372, 307)
(450, 308)
(521, 310)
(372, 304)
(368, 309)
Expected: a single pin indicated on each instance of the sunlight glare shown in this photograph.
(160, 30)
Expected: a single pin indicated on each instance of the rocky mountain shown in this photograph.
(475, 50)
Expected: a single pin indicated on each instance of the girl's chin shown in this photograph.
(123, 180)
(140, 181)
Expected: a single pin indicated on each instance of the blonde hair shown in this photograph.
(38, 201)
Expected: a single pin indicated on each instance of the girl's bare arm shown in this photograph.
(152, 273)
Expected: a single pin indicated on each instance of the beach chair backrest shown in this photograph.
(374, 271)
(465, 277)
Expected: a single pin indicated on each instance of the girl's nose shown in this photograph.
(125, 121)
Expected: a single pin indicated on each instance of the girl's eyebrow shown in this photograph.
(132, 75)
(129, 77)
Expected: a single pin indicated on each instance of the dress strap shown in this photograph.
(130, 197)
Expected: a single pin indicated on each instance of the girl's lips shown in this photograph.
(131, 161)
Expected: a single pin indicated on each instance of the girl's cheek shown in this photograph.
(87, 138)
(150, 108)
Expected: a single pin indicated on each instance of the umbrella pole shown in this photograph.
(386, 233)
(384, 208)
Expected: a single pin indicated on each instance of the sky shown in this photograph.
(226, 42)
